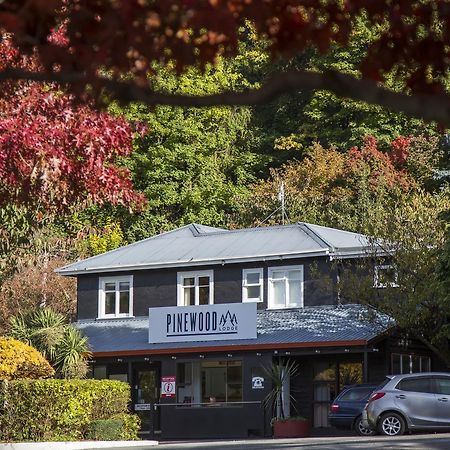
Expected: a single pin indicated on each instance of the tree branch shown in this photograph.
(427, 107)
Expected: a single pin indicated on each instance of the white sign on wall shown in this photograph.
(202, 323)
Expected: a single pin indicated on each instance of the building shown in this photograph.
(191, 317)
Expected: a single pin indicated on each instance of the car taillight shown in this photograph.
(334, 408)
(376, 396)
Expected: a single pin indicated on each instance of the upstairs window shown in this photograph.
(195, 288)
(385, 276)
(116, 297)
(285, 287)
(252, 285)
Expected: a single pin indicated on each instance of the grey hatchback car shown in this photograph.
(419, 401)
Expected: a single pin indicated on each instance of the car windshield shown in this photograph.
(356, 394)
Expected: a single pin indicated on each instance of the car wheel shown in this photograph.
(391, 424)
(361, 429)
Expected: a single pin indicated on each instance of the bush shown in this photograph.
(131, 424)
(104, 430)
(19, 360)
(61, 409)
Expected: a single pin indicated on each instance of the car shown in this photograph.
(346, 409)
(419, 401)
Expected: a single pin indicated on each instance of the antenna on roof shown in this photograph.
(282, 207)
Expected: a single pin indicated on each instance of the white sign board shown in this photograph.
(202, 323)
(142, 406)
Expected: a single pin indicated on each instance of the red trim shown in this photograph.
(233, 348)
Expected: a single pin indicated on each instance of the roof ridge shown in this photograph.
(314, 235)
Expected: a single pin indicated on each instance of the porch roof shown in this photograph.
(318, 326)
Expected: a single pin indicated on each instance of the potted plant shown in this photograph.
(284, 426)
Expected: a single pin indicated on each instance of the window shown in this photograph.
(416, 385)
(252, 285)
(209, 383)
(443, 385)
(285, 287)
(356, 395)
(115, 297)
(385, 276)
(195, 288)
(406, 363)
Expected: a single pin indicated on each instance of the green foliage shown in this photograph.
(19, 360)
(279, 375)
(61, 409)
(194, 163)
(61, 343)
(104, 430)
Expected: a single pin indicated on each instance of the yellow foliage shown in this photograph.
(19, 360)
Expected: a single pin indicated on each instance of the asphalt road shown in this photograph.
(410, 442)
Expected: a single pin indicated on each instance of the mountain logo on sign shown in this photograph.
(228, 319)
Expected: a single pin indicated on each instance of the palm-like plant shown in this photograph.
(279, 374)
(62, 344)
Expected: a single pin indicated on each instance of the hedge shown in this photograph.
(49, 410)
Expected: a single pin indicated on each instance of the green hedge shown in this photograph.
(40, 410)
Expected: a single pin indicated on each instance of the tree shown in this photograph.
(112, 45)
(19, 360)
(63, 345)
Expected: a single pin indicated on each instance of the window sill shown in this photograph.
(275, 308)
(114, 317)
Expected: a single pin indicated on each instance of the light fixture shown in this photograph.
(174, 357)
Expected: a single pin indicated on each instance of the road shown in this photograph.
(410, 442)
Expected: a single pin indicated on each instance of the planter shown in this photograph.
(291, 428)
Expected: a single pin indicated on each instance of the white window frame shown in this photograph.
(245, 285)
(270, 297)
(101, 296)
(196, 274)
(376, 277)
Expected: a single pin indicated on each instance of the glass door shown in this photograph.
(145, 395)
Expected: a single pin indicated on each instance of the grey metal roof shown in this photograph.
(198, 245)
(302, 327)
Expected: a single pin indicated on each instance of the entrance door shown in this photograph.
(145, 395)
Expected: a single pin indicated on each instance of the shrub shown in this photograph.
(51, 409)
(19, 360)
(131, 424)
(104, 430)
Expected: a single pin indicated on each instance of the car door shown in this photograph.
(442, 401)
(415, 397)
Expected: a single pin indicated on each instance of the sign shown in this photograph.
(167, 386)
(142, 406)
(202, 323)
(257, 383)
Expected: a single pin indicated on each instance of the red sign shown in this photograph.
(167, 386)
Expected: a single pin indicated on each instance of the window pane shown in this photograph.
(234, 382)
(295, 294)
(99, 372)
(124, 286)
(214, 384)
(295, 275)
(279, 293)
(443, 386)
(110, 302)
(124, 303)
(110, 286)
(406, 364)
(203, 295)
(203, 281)
(396, 364)
(355, 395)
(188, 281)
(425, 363)
(416, 385)
(253, 278)
(253, 292)
(188, 296)
(277, 275)
(415, 364)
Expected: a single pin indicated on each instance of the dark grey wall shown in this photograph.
(158, 287)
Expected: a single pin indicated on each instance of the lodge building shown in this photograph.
(192, 319)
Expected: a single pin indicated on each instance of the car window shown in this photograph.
(356, 394)
(443, 386)
(416, 385)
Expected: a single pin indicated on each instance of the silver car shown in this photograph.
(419, 401)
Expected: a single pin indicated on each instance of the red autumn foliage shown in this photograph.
(127, 36)
(55, 153)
